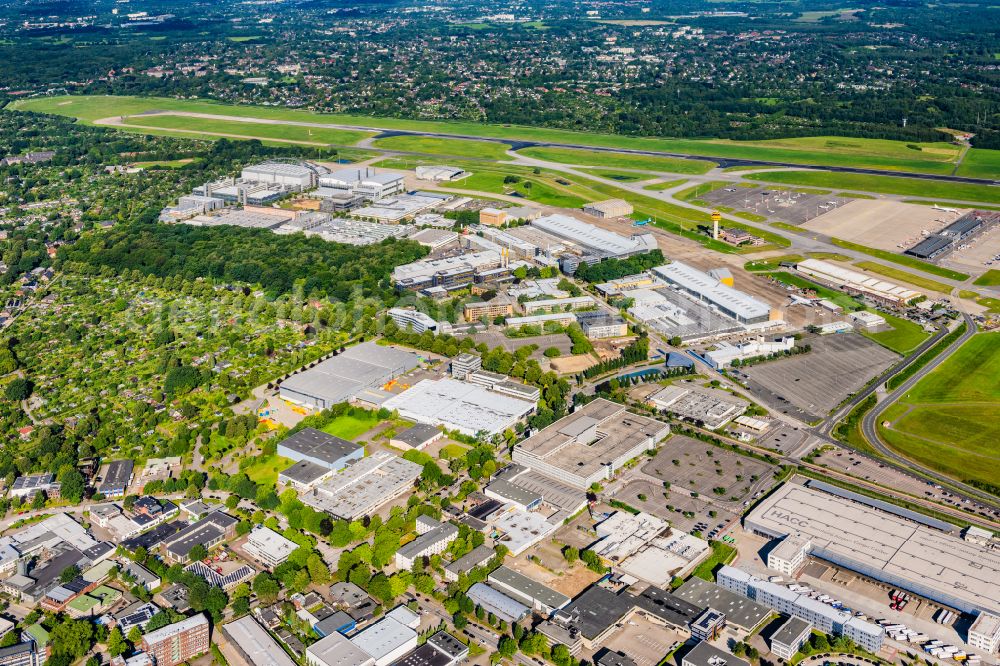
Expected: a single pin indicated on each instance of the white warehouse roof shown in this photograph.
(712, 290)
(594, 237)
(456, 405)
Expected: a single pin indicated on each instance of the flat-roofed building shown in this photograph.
(178, 642)
(209, 532)
(394, 208)
(789, 555)
(790, 637)
(984, 634)
(708, 626)
(364, 182)
(706, 654)
(740, 611)
(29, 484)
(267, 546)
(559, 304)
(508, 493)
(591, 444)
(117, 478)
(340, 378)
(477, 557)
(538, 596)
(493, 217)
(434, 238)
(466, 408)
(337, 650)
(439, 173)
(500, 306)
(20, 654)
(854, 282)
(601, 324)
(609, 208)
(561, 318)
(899, 548)
(279, 173)
(416, 437)
(254, 644)
(465, 363)
(385, 641)
(706, 289)
(501, 605)
(304, 474)
(714, 408)
(320, 448)
(431, 542)
(364, 486)
(600, 242)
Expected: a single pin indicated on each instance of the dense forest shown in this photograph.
(254, 256)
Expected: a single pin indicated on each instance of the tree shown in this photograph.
(198, 552)
(266, 588)
(69, 573)
(19, 389)
(116, 642)
(73, 485)
(571, 554)
(135, 635)
(72, 638)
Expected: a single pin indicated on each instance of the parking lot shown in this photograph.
(644, 641)
(815, 382)
(784, 438)
(780, 204)
(705, 469)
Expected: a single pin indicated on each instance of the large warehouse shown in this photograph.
(704, 288)
(465, 407)
(599, 241)
(591, 444)
(854, 282)
(340, 378)
(885, 543)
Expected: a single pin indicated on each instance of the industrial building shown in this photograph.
(431, 542)
(416, 437)
(29, 484)
(336, 650)
(623, 534)
(609, 208)
(254, 644)
(449, 273)
(541, 598)
(501, 605)
(393, 209)
(340, 378)
(498, 383)
(937, 244)
(883, 542)
(591, 444)
(725, 352)
(477, 557)
(600, 324)
(248, 193)
(713, 407)
(706, 654)
(209, 532)
(247, 217)
(460, 406)
(704, 288)
(984, 634)
(365, 182)
(493, 217)
(867, 320)
(363, 487)
(673, 313)
(508, 493)
(341, 230)
(434, 239)
(320, 448)
(413, 320)
(666, 557)
(296, 176)
(790, 637)
(267, 546)
(390, 638)
(117, 478)
(853, 282)
(739, 611)
(440, 173)
(593, 240)
(178, 642)
(823, 617)
(465, 363)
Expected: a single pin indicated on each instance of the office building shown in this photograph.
(28, 485)
(706, 289)
(984, 634)
(209, 532)
(725, 353)
(789, 555)
(337, 650)
(449, 273)
(117, 478)
(477, 557)
(20, 654)
(882, 541)
(363, 487)
(559, 304)
(823, 617)
(464, 407)
(790, 637)
(740, 611)
(465, 363)
(708, 626)
(430, 542)
(499, 306)
(320, 448)
(503, 384)
(609, 208)
(342, 377)
(706, 654)
(254, 644)
(395, 208)
(600, 324)
(178, 642)
(591, 444)
(267, 546)
(493, 217)
(365, 182)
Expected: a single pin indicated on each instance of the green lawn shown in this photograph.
(883, 184)
(990, 278)
(904, 337)
(168, 164)
(619, 160)
(902, 259)
(903, 276)
(948, 421)
(979, 163)
(213, 127)
(838, 297)
(264, 470)
(937, 157)
(771, 264)
(435, 146)
(665, 185)
(350, 426)
(621, 176)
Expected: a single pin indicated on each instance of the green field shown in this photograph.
(990, 278)
(665, 185)
(937, 157)
(883, 184)
(619, 160)
(980, 163)
(265, 470)
(903, 276)
(838, 297)
(948, 421)
(288, 133)
(490, 150)
(349, 426)
(902, 338)
(167, 164)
